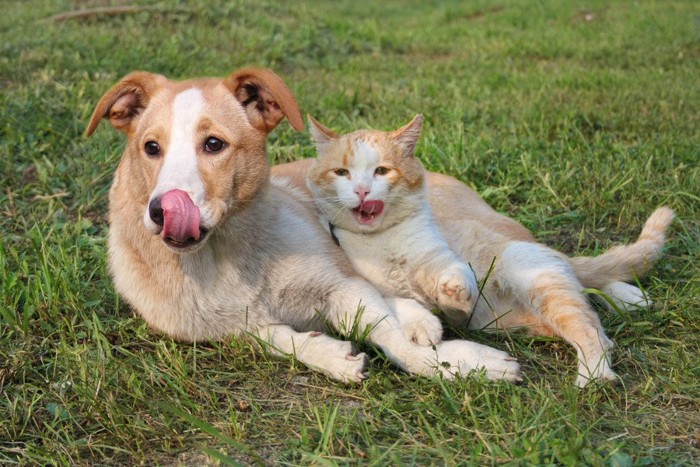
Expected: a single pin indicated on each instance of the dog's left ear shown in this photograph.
(408, 135)
(125, 101)
(265, 98)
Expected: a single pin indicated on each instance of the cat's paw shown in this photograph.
(417, 322)
(601, 372)
(425, 331)
(457, 289)
(624, 296)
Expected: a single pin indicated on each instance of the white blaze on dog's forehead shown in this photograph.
(179, 170)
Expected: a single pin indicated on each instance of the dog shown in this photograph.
(524, 283)
(203, 245)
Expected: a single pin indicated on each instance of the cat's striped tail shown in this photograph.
(624, 263)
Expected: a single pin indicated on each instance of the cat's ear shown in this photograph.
(321, 134)
(408, 135)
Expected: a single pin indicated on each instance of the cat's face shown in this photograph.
(368, 180)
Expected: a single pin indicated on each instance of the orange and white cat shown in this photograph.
(375, 202)
(371, 190)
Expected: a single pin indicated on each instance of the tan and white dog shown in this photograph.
(203, 245)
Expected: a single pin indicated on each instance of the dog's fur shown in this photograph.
(527, 285)
(203, 245)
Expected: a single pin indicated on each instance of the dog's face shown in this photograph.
(195, 153)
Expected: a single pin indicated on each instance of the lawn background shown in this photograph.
(576, 118)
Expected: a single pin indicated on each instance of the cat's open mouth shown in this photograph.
(368, 211)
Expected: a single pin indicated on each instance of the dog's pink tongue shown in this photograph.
(370, 209)
(180, 216)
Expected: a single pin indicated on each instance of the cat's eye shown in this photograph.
(213, 145)
(341, 172)
(152, 148)
(381, 170)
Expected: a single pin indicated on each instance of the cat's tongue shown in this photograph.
(180, 217)
(368, 210)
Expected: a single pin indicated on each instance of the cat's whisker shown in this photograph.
(328, 198)
(337, 214)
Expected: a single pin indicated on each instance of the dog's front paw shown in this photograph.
(355, 368)
(461, 357)
(346, 365)
(337, 359)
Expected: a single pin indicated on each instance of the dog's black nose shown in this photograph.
(155, 210)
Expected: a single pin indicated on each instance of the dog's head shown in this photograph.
(195, 151)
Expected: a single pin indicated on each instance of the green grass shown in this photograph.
(577, 122)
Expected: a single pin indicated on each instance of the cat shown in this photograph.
(371, 190)
(400, 249)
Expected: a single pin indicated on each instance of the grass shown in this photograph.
(577, 122)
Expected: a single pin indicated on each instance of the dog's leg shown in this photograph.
(541, 279)
(318, 351)
(383, 329)
(416, 321)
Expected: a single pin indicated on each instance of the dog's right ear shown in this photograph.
(125, 101)
(265, 98)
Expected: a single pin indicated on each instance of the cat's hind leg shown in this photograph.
(624, 296)
(541, 280)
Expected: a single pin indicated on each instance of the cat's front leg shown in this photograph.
(417, 322)
(457, 292)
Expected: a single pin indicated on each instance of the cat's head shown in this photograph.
(367, 180)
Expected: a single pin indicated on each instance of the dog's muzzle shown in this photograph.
(179, 218)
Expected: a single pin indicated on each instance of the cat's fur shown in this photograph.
(400, 251)
(526, 284)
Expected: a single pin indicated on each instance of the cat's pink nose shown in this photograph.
(362, 192)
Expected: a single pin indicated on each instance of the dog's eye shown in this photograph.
(341, 172)
(381, 170)
(152, 148)
(213, 145)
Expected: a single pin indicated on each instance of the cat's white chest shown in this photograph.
(389, 259)
(373, 258)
